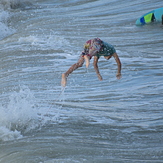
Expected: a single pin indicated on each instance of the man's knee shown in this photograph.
(80, 64)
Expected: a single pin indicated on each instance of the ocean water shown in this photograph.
(90, 121)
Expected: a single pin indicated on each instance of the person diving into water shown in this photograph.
(94, 48)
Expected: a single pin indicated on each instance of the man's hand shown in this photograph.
(99, 77)
(118, 75)
(87, 60)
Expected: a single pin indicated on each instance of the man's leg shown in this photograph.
(70, 70)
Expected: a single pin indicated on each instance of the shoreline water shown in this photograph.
(91, 121)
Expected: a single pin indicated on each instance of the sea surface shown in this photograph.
(90, 121)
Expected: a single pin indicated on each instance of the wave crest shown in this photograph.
(15, 4)
(19, 116)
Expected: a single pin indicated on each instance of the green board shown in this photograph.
(152, 16)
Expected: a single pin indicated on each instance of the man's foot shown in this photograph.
(64, 80)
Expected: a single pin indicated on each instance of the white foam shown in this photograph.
(19, 116)
(14, 4)
(4, 28)
(6, 13)
(66, 160)
(6, 134)
(43, 43)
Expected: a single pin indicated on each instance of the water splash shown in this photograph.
(15, 4)
(19, 116)
(4, 27)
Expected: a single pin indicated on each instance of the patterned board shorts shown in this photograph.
(97, 47)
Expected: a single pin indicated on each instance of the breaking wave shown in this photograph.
(6, 13)
(19, 115)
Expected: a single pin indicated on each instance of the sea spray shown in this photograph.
(5, 29)
(15, 4)
(19, 116)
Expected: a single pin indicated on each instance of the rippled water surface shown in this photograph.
(90, 121)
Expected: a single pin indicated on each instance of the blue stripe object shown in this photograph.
(142, 20)
(158, 13)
